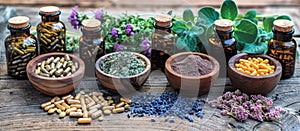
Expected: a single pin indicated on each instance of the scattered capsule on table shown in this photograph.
(70, 101)
(76, 114)
(85, 114)
(84, 120)
(74, 109)
(46, 104)
(59, 102)
(51, 111)
(100, 118)
(67, 97)
(78, 95)
(76, 105)
(62, 114)
(49, 107)
(91, 104)
(92, 111)
(121, 104)
(65, 105)
(58, 111)
(118, 110)
(59, 106)
(94, 107)
(108, 108)
(107, 112)
(96, 114)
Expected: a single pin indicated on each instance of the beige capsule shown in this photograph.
(95, 98)
(100, 118)
(85, 114)
(127, 106)
(108, 108)
(118, 110)
(74, 109)
(76, 105)
(70, 101)
(65, 105)
(94, 107)
(84, 120)
(67, 97)
(62, 114)
(92, 111)
(76, 114)
(121, 104)
(107, 112)
(91, 104)
(59, 111)
(59, 102)
(56, 98)
(127, 101)
(77, 97)
(96, 114)
(79, 110)
(59, 106)
(49, 107)
(51, 111)
(46, 104)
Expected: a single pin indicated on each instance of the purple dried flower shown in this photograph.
(118, 47)
(227, 95)
(73, 18)
(145, 46)
(240, 113)
(114, 32)
(129, 26)
(99, 14)
(128, 31)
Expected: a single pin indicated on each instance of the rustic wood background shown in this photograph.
(19, 106)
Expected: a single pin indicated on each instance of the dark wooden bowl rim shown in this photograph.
(214, 62)
(144, 58)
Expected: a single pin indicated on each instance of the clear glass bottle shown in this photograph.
(282, 47)
(91, 45)
(20, 46)
(51, 32)
(162, 42)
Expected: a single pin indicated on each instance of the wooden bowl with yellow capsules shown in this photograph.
(254, 74)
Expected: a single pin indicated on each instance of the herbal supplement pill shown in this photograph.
(76, 105)
(127, 106)
(127, 101)
(96, 114)
(91, 104)
(49, 107)
(55, 60)
(67, 57)
(65, 105)
(46, 104)
(120, 104)
(58, 111)
(108, 108)
(62, 114)
(74, 109)
(51, 111)
(73, 101)
(118, 110)
(59, 102)
(109, 98)
(85, 114)
(75, 114)
(78, 95)
(100, 118)
(59, 106)
(95, 98)
(56, 98)
(94, 107)
(67, 97)
(106, 112)
(79, 110)
(92, 111)
(84, 120)
(82, 92)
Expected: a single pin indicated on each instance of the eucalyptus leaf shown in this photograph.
(255, 48)
(188, 15)
(286, 17)
(229, 10)
(246, 31)
(268, 23)
(209, 14)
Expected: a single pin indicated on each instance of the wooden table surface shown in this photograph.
(20, 106)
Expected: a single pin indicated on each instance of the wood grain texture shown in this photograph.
(20, 105)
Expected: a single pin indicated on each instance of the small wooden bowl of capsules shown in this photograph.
(55, 73)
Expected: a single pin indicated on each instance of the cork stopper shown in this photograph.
(224, 25)
(283, 25)
(18, 22)
(163, 20)
(91, 24)
(49, 10)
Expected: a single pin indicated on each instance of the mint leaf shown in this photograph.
(229, 10)
(188, 15)
(246, 31)
(209, 14)
(283, 17)
(255, 48)
(268, 23)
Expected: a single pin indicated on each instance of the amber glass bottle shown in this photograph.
(91, 46)
(283, 47)
(51, 32)
(20, 46)
(162, 42)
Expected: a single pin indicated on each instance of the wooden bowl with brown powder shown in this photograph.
(192, 72)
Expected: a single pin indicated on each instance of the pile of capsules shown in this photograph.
(86, 107)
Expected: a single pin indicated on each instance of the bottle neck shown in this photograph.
(91, 34)
(225, 35)
(167, 28)
(283, 36)
(50, 17)
(17, 32)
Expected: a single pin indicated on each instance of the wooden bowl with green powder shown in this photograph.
(119, 71)
(192, 72)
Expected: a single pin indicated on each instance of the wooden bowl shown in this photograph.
(54, 86)
(201, 83)
(254, 84)
(118, 84)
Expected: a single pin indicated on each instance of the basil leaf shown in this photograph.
(251, 14)
(229, 10)
(253, 48)
(188, 15)
(268, 23)
(246, 31)
(209, 14)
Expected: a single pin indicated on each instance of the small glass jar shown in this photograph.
(282, 47)
(91, 45)
(20, 46)
(51, 32)
(162, 42)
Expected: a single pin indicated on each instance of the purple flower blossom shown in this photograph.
(99, 14)
(129, 30)
(114, 32)
(145, 46)
(241, 113)
(118, 47)
(73, 18)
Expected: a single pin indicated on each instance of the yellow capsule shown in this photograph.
(76, 105)
(51, 111)
(127, 101)
(74, 109)
(70, 101)
(67, 97)
(76, 114)
(58, 111)
(120, 104)
(65, 105)
(49, 107)
(56, 98)
(45, 104)
(108, 108)
(85, 114)
(118, 110)
(84, 120)
(59, 102)
(62, 114)
(59, 106)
